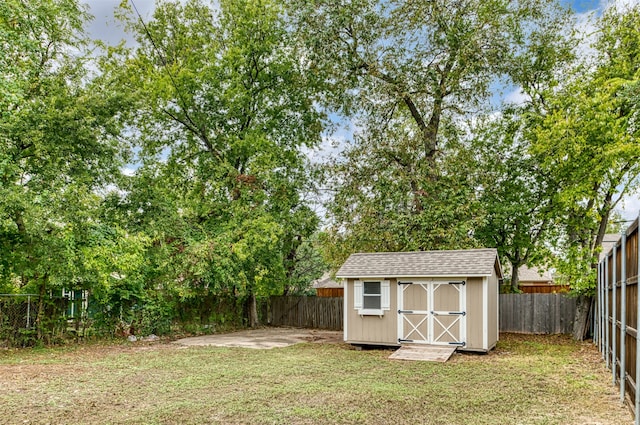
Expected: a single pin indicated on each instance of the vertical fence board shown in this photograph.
(518, 313)
(536, 313)
(307, 312)
(618, 335)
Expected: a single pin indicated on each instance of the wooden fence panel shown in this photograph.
(616, 324)
(306, 312)
(520, 313)
(544, 288)
(536, 313)
(330, 292)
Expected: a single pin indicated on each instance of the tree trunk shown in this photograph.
(581, 321)
(254, 321)
(514, 277)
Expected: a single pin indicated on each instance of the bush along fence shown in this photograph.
(617, 312)
(28, 320)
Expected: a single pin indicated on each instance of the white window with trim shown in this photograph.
(371, 297)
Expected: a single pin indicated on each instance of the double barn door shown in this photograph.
(432, 312)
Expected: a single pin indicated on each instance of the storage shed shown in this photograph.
(430, 297)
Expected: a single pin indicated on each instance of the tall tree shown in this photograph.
(225, 111)
(519, 196)
(516, 195)
(406, 73)
(58, 142)
(588, 140)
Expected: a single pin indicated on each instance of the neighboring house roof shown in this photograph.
(608, 242)
(458, 263)
(534, 275)
(326, 282)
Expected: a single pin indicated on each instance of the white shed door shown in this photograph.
(432, 312)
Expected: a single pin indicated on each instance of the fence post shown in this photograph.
(623, 316)
(606, 310)
(637, 389)
(28, 311)
(614, 324)
(596, 311)
(596, 316)
(601, 302)
(602, 322)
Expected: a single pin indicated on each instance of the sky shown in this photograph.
(105, 28)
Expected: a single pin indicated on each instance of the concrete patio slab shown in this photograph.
(263, 338)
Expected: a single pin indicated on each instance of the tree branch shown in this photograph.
(200, 133)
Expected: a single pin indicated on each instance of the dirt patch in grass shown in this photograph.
(526, 380)
(263, 338)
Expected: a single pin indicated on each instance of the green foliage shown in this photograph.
(410, 75)
(218, 105)
(114, 262)
(306, 266)
(586, 139)
(223, 98)
(58, 147)
(516, 195)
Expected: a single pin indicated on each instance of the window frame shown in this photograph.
(383, 296)
(377, 296)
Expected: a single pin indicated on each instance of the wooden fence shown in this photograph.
(522, 313)
(330, 292)
(543, 288)
(536, 313)
(616, 313)
(307, 312)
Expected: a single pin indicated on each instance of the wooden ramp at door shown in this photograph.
(427, 353)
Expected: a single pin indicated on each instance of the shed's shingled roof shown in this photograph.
(469, 262)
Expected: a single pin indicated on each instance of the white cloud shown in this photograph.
(104, 25)
(629, 207)
(334, 140)
(619, 4)
(517, 97)
(586, 31)
(128, 171)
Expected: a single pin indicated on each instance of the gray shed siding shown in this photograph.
(373, 330)
(475, 313)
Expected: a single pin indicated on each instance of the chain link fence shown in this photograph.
(28, 319)
(17, 318)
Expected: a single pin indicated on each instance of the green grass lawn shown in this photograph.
(526, 380)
